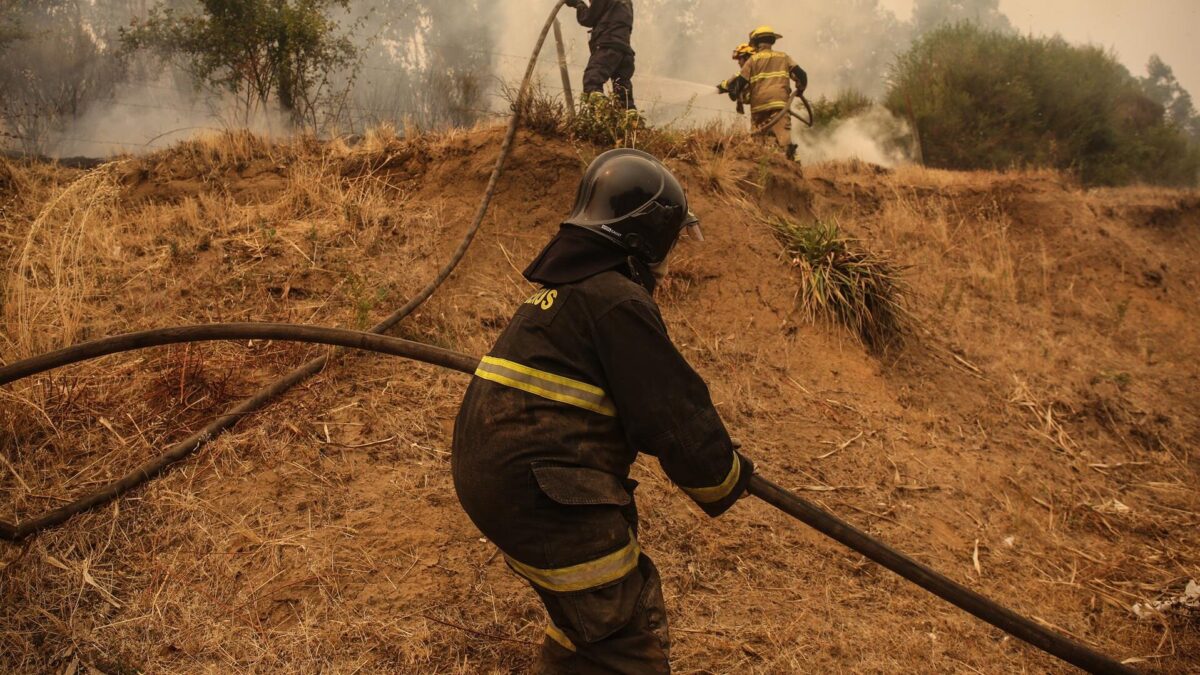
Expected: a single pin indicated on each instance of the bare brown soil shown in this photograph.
(1036, 438)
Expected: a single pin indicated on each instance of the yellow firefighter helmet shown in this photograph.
(764, 32)
(743, 50)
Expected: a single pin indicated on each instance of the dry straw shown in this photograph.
(58, 264)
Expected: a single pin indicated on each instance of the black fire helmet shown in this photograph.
(628, 197)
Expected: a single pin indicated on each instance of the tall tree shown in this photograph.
(1162, 87)
(263, 51)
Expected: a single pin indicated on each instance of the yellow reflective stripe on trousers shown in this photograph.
(716, 493)
(583, 576)
(560, 637)
(546, 385)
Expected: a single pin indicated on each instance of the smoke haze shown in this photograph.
(442, 63)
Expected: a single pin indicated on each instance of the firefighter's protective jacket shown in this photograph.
(583, 378)
(768, 76)
(611, 22)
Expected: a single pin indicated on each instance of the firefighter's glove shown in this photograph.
(722, 89)
(574, 4)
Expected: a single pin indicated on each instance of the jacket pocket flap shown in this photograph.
(578, 485)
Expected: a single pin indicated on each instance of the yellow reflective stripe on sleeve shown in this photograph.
(583, 576)
(768, 76)
(776, 105)
(546, 385)
(560, 637)
(716, 493)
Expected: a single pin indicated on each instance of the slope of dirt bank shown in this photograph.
(1035, 439)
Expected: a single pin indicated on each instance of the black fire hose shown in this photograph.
(951, 591)
(824, 522)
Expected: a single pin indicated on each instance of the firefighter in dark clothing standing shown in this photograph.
(611, 24)
(582, 379)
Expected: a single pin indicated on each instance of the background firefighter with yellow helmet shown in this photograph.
(768, 77)
(742, 54)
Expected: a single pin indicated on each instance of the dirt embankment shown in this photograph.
(1035, 438)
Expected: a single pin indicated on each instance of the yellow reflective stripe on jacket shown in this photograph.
(560, 637)
(546, 385)
(770, 75)
(774, 105)
(583, 576)
(716, 493)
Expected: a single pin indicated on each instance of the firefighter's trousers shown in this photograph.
(571, 533)
(607, 63)
(640, 645)
(781, 131)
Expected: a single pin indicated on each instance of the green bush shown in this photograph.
(990, 100)
(841, 280)
(847, 104)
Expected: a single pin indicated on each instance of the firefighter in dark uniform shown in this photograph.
(611, 24)
(582, 379)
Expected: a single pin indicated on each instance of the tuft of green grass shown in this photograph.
(604, 122)
(601, 122)
(840, 279)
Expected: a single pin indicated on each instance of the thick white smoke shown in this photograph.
(143, 116)
(874, 136)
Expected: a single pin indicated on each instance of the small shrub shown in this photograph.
(843, 281)
(602, 121)
(848, 103)
(540, 110)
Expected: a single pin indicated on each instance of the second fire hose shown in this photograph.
(828, 524)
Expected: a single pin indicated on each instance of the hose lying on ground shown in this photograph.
(828, 524)
(230, 418)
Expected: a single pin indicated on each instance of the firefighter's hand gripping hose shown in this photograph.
(828, 524)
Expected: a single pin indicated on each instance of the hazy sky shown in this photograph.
(1134, 29)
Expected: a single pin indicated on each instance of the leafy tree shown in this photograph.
(991, 100)
(1162, 88)
(286, 51)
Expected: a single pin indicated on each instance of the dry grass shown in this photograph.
(324, 534)
(60, 264)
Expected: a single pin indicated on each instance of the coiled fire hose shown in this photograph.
(824, 522)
